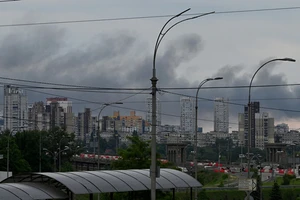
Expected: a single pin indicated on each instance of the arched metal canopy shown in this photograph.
(36, 185)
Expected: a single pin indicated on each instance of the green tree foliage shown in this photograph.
(202, 195)
(29, 145)
(210, 177)
(136, 156)
(287, 179)
(161, 150)
(275, 192)
(17, 164)
(53, 141)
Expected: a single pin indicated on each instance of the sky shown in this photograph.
(119, 54)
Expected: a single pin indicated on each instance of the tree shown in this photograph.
(28, 143)
(136, 156)
(275, 193)
(287, 179)
(203, 195)
(17, 164)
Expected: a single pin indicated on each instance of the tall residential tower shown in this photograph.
(15, 112)
(187, 116)
(221, 115)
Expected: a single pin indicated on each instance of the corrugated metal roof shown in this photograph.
(89, 182)
(86, 182)
(29, 191)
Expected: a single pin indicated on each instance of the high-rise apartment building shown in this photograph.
(264, 130)
(241, 129)
(61, 115)
(38, 118)
(62, 102)
(15, 112)
(187, 116)
(149, 111)
(221, 115)
(129, 123)
(84, 125)
(250, 118)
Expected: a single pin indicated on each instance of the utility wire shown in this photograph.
(179, 94)
(91, 88)
(2, 1)
(145, 17)
(232, 103)
(65, 85)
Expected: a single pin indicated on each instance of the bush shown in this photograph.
(225, 176)
(221, 184)
(286, 179)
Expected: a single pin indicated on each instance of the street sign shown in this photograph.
(1, 156)
(247, 184)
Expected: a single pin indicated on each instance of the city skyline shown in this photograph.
(118, 54)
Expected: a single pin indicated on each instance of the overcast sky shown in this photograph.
(119, 53)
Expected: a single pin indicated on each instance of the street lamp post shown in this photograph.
(98, 129)
(154, 80)
(7, 156)
(59, 154)
(249, 109)
(196, 127)
(294, 156)
(55, 154)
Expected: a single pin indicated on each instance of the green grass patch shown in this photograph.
(279, 180)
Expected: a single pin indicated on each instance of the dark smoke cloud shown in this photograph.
(120, 59)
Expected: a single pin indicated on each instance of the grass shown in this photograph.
(279, 180)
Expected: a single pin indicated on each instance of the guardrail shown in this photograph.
(236, 188)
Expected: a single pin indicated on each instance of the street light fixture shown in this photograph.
(59, 154)
(55, 154)
(249, 108)
(161, 35)
(196, 125)
(98, 128)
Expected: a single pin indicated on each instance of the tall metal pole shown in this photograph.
(196, 130)
(98, 129)
(154, 80)
(7, 157)
(7, 151)
(250, 110)
(40, 153)
(98, 132)
(294, 159)
(219, 159)
(54, 163)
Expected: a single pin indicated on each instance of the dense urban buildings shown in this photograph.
(262, 128)
(57, 112)
(221, 115)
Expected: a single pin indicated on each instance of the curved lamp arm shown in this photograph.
(161, 35)
(276, 59)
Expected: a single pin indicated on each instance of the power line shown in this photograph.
(92, 88)
(70, 86)
(231, 87)
(232, 103)
(145, 17)
(2, 1)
